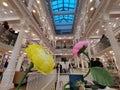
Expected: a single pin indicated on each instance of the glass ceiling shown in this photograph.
(63, 12)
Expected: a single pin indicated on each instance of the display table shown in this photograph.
(18, 76)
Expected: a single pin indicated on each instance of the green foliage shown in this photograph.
(67, 86)
(101, 76)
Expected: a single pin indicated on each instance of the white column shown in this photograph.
(86, 64)
(84, 25)
(54, 56)
(88, 49)
(30, 4)
(94, 50)
(114, 43)
(73, 42)
(8, 75)
(75, 61)
(19, 63)
(55, 43)
(82, 62)
(78, 62)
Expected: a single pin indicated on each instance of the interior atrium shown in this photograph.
(58, 25)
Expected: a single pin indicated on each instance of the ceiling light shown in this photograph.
(25, 53)
(34, 11)
(16, 31)
(70, 37)
(61, 54)
(38, 1)
(114, 25)
(5, 12)
(103, 26)
(66, 54)
(110, 52)
(117, 18)
(92, 8)
(5, 4)
(109, 22)
(11, 11)
(60, 38)
(97, 31)
(91, 41)
(91, 0)
(26, 31)
(10, 51)
(33, 34)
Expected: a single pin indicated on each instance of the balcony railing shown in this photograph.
(8, 37)
(65, 47)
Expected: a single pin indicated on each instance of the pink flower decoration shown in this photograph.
(79, 46)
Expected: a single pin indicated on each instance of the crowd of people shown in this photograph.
(7, 34)
(63, 67)
(95, 62)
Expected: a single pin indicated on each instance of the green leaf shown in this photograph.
(82, 50)
(67, 86)
(102, 76)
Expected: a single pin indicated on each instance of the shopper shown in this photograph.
(98, 63)
(3, 29)
(5, 25)
(59, 68)
(6, 64)
(10, 35)
(91, 63)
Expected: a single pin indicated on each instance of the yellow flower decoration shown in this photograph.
(41, 58)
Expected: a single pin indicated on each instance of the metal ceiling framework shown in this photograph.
(63, 13)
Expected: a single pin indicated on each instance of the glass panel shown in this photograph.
(65, 27)
(60, 1)
(72, 1)
(65, 9)
(54, 2)
(62, 20)
(65, 5)
(72, 6)
(61, 9)
(60, 5)
(55, 7)
(66, 1)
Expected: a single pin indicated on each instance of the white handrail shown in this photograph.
(58, 76)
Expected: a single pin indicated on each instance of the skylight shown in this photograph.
(63, 12)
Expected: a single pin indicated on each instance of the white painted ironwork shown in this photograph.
(37, 81)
